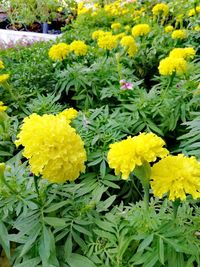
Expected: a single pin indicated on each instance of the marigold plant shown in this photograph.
(140, 30)
(179, 34)
(4, 78)
(59, 51)
(170, 65)
(79, 48)
(161, 8)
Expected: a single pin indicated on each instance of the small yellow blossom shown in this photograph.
(4, 78)
(176, 176)
(116, 26)
(169, 28)
(169, 65)
(100, 33)
(79, 48)
(60, 9)
(161, 8)
(2, 107)
(125, 155)
(1, 65)
(54, 149)
(179, 34)
(129, 43)
(197, 28)
(59, 51)
(69, 114)
(140, 30)
(107, 42)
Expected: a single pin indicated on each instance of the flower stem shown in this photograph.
(176, 205)
(37, 189)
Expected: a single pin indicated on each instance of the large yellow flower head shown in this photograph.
(125, 155)
(53, 147)
(116, 26)
(140, 30)
(193, 11)
(79, 48)
(4, 78)
(59, 51)
(185, 53)
(176, 176)
(129, 43)
(107, 42)
(179, 34)
(2, 107)
(169, 65)
(1, 64)
(169, 28)
(160, 9)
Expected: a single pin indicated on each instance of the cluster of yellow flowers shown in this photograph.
(99, 33)
(176, 176)
(116, 8)
(129, 44)
(125, 155)
(140, 30)
(179, 34)
(160, 9)
(193, 12)
(82, 9)
(53, 147)
(3, 77)
(61, 51)
(2, 107)
(176, 62)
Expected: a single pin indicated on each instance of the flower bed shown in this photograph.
(99, 149)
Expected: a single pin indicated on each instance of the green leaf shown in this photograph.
(161, 250)
(56, 206)
(33, 262)
(77, 260)
(55, 222)
(4, 239)
(145, 243)
(103, 206)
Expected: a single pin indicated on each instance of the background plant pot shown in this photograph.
(16, 27)
(45, 27)
(35, 27)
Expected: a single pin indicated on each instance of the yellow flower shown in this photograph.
(53, 147)
(4, 78)
(176, 176)
(1, 65)
(2, 169)
(69, 114)
(120, 35)
(179, 34)
(197, 28)
(192, 11)
(140, 30)
(169, 28)
(185, 53)
(60, 9)
(125, 155)
(116, 26)
(107, 42)
(2, 107)
(79, 48)
(59, 51)
(160, 9)
(169, 65)
(129, 43)
(99, 33)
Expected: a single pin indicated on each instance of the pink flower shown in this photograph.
(126, 85)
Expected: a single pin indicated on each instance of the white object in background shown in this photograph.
(7, 36)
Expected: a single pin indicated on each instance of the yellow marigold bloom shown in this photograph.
(179, 34)
(192, 11)
(176, 176)
(4, 78)
(140, 30)
(99, 33)
(197, 28)
(79, 48)
(129, 43)
(120, 35)
(1, 65)
(116, 26)
(59, 51)
(2, 107)
(107, 42)
(160, 9)
(69, 114)
(53, 147)
(125, 155)
(169, 28)
(185, 53)
(169, 65)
